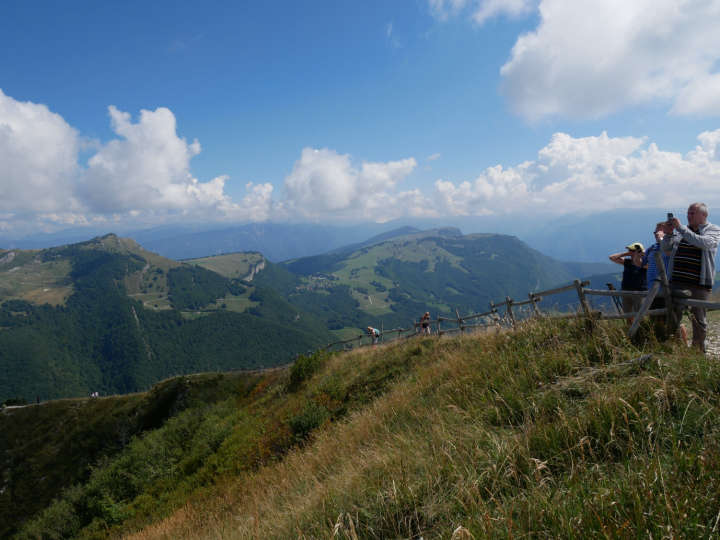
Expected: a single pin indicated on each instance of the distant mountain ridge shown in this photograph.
(392, 282)
(116, 317)
(107, 315)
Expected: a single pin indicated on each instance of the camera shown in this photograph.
(670, 216)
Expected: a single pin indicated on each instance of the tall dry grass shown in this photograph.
(552, 431)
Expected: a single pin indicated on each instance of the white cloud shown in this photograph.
(147, 168)
(324, 184)
(143, 175)
(433, 157)
(590, 58)
(442, 9)
(38, 159)
(488, 9)
(480, 10)
(593, 174)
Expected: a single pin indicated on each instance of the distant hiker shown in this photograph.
(425, 324)
(692, 248)
(634, 274)
(374, 333)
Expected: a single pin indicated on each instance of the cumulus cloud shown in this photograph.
(38, 159)
(591, 174)
(590, 58)
(325, 184)
(148, 167)
(143, 174)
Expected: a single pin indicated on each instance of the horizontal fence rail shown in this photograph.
(494, 318)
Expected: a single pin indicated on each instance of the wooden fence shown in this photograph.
(518, 310)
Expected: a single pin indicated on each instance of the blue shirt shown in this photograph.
(649, 259)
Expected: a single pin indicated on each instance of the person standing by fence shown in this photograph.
(692, 248)
(649, 261)
(653, 274)
(425, 324)
(374, 333)
(634, 274)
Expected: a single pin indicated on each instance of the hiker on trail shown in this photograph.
(634, 274)
(692, 248)
(425, 323)
(374, 333)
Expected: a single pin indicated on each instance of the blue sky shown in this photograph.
(336, 111)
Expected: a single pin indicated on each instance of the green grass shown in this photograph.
(359, 270)
(52, 445)
(556, 430)
(28, 278)
(232, 265)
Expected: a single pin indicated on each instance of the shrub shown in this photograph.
(304, 368)
(311, 417)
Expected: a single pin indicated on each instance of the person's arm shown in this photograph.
(619, 258)
(708, 240)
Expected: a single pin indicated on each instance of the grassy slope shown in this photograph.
(394, 282)
(231, 265)
(25, 276)
(50, 446)
(551, 431)
(547, 433)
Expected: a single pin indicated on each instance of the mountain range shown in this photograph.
(108, 315)
(576, 236)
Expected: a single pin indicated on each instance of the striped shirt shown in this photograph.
(687, 264)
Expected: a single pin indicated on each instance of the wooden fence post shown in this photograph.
(662, 275)
(644, 307)
(533, 303)
(583, 300)
(459, 322)
(509, 311)
(494, 315)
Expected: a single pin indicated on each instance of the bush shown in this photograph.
(311, 417)
(304, 368)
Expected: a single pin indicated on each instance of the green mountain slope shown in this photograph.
(108, 316)
(394, 282)
(39, 460)
(551, 431)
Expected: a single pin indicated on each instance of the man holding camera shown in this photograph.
(692, 265)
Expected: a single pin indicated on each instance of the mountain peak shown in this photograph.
(448, 231)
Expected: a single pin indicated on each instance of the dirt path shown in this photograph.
(713, 336)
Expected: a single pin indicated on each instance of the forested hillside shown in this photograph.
(107, 316)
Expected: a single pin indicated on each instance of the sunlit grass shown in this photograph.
(554, 431)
